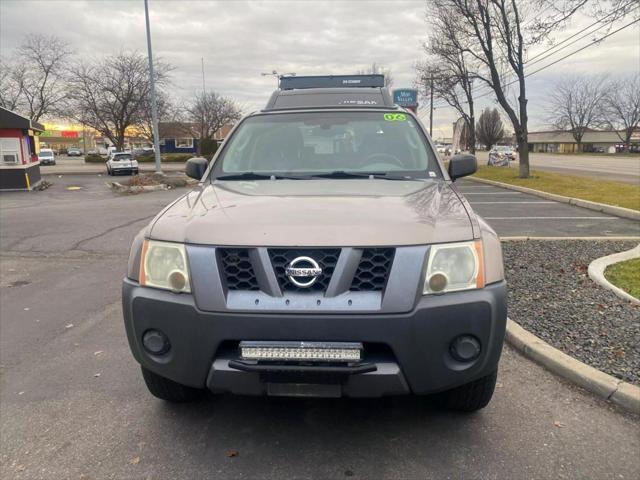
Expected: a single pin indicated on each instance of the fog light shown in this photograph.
(465, 348)
(155, 342)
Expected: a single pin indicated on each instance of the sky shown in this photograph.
(239, 40)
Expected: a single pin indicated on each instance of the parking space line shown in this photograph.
(551, 218)
(524, 201)
(492, 193)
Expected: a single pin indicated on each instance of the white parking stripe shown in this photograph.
(550, 218)
(493, 193)
(524, 201)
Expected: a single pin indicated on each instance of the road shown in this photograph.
(73, 404)
(621, 168)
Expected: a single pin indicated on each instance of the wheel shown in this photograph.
(469, 397)
(169, 390)
(135, 172)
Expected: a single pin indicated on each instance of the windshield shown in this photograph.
(502, 148)
(46, 154)
(123, 156)
(324, 142)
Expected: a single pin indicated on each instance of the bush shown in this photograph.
(94, 158)
(149, 157)
(208, 147)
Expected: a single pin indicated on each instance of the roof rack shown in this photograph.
(331, 81)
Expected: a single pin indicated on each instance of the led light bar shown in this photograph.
(301, 351)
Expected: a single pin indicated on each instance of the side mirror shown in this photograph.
(462, 165)
(196, 167)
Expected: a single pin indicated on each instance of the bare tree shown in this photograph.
(450, 70)
(111, 96)
(491, 32)
(490, 128)
(558, 12)
(495, 33)
(12, 78)
(211, 111)
(622, 107)
(575, 104)
(167, 112)
(376, 69)
(38, 75)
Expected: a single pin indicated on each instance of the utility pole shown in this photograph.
(154, 106)
(430, 106)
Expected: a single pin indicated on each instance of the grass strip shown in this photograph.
(625, 275)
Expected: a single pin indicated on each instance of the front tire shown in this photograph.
(168, 390)
(470, 397)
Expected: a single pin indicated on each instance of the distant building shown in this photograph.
(61, 137)
(558, 141)
(19, 147)
(184, 137)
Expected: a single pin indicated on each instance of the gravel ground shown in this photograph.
(551, 295)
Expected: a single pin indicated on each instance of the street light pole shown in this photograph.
(154, 106)
(430, 107)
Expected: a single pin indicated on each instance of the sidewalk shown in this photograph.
(76, 166)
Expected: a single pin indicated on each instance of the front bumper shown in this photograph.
(410, 350)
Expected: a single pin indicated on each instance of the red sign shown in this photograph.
(69, 134)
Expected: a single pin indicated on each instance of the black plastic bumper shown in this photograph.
(419, 341)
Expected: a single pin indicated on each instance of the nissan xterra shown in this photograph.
(326, 252)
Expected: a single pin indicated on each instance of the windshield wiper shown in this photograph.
(382, 175)
(260, 176)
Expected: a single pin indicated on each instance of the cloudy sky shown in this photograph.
(238, 40)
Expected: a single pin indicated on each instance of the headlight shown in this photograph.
(454, 266)
(164, 265)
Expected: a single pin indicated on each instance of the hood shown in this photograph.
(327, 212)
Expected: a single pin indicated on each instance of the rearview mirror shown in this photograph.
(196, 167)
(462, 165)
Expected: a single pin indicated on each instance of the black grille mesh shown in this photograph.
(373, 270)
(237, 269)
(326, 258)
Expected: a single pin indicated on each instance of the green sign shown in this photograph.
(395, 117)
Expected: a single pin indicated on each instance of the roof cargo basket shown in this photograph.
(331, 81)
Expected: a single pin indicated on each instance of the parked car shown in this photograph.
(46, 157)
(325, 253)
(74, 152)
(503, 152)
(121, 162)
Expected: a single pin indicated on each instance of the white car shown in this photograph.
(46, 157)
(121, 162)
(504, 151)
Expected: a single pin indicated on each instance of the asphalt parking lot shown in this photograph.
(73, 403)
(514, 214)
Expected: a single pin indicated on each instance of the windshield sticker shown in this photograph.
(432, 174)
(395, 117)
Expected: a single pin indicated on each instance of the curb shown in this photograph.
(599, 383)
(598, 207)
(618, 238)
(599, 265)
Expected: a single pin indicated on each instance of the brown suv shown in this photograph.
(325, 252)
